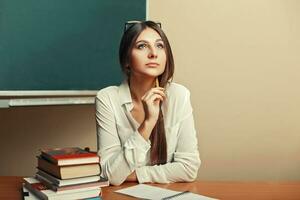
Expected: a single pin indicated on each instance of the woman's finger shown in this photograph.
(154, 97)
(149, 96)
(153, 91)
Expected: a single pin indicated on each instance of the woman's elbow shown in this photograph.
(192, 171)
(114, 178)
(191, 176)
(115, 182)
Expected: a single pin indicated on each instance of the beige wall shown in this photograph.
(24, 130)
(240, 59)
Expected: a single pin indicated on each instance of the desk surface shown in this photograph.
(10, 188)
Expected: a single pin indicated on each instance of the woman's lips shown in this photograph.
(152, 64)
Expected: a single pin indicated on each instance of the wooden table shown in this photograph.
(10, 188)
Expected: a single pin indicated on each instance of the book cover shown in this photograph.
(71, 171)
(69, 156)
(73, 181)
(42, 192)
(27, 195)
(90, 185)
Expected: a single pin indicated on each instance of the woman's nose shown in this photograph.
(152, 53)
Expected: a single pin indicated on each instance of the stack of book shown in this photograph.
(66, 173)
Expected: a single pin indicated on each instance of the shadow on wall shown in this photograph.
(24, 130)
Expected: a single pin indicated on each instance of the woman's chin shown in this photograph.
(149, 74)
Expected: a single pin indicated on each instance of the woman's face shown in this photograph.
(148, 56)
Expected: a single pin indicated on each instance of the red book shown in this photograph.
(69, 156)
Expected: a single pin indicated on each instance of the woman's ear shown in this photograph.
(128, 69)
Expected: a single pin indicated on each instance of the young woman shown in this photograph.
(145, 126)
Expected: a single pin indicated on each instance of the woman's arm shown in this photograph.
(117, 161)
(186, 161)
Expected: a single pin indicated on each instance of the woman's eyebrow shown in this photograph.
(142, 41)
(158, 40)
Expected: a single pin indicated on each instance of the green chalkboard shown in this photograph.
(63, 44)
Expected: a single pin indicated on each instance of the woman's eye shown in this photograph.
(141, 46)
(160, 46)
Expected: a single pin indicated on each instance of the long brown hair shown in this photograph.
(158, 137)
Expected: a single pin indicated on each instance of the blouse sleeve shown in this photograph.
(117, 160)
(186, 162)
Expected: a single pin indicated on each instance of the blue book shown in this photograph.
(94, 198)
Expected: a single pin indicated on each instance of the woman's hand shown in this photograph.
(151, 102)
(132, 177)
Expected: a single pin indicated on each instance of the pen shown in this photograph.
(175, 195)
(156, 82)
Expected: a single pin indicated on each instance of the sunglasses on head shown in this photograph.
(129, 24)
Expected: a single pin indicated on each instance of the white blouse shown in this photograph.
(123, 150)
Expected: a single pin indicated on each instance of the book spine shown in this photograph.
(49, 167)
(34, 191)
(46, 182)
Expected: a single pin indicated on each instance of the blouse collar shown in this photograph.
(125, 95)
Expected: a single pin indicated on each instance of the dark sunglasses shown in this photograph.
(129, 24)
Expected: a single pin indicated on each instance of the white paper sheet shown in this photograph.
(144, 191)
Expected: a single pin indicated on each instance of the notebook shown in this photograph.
(144, 191)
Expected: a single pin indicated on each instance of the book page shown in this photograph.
(144, 191)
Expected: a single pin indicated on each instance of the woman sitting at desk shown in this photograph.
(145, 126)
